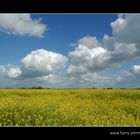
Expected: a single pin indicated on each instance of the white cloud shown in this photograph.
(89, 42)
(10, 71)
(87, 58)
(47, 78)
(108, 42)
(94, 78)
(14, 72)
(126, 28)
(136, 69)
(125, 79)
(21, 24)
(83, 53)
(128, 79)
(91, 56)
(74, 70)
(42, 62)
(37, 67)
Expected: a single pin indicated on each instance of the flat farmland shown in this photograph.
(73, 107)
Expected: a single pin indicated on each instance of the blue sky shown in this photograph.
(63, 30)
(33, 39)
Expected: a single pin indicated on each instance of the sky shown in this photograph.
(70, 50)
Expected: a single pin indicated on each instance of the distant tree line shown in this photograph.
(34, 87)
(40, 87)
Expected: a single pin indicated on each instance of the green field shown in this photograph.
(81, 107)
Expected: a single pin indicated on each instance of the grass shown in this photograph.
(81, 107)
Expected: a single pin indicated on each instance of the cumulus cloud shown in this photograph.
(21, 24)
(126, 28)
(42, 62)
(135, 69)
(47, 78)
(89, 41)
(91, 55)
(37, 68)
(94, 78)
(108, 42)
(87, 58)
(90, 58)
(10, 71)
(125, 79)
(125, 39)
(128, 79)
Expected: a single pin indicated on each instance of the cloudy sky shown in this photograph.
(70, 50)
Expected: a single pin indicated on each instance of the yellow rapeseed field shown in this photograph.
(77, 107)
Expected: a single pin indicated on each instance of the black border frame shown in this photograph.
(68, 6)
